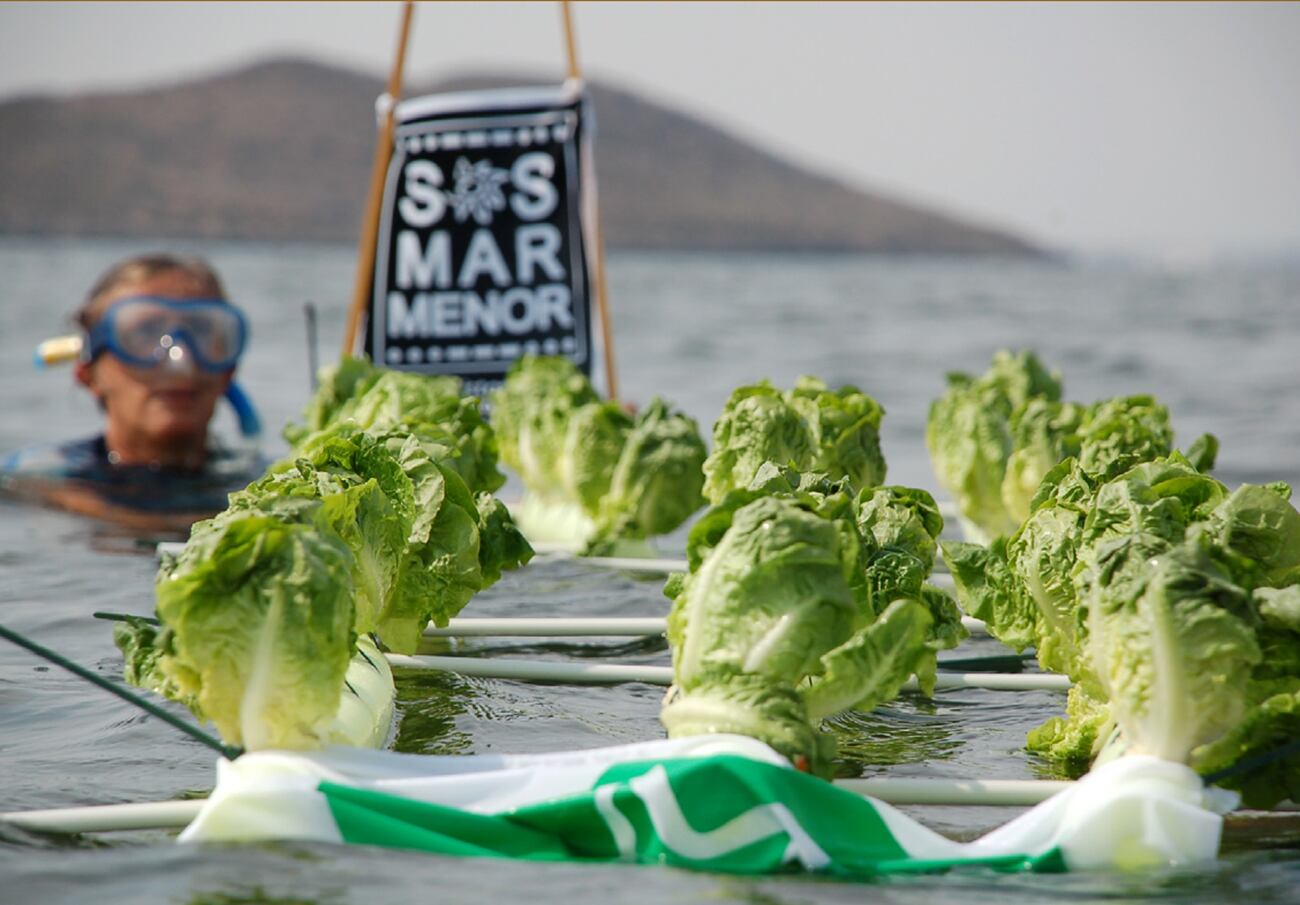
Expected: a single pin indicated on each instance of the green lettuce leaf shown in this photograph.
(597, 478)
(811, 429)
(802, 601)
(1171, 644)
(261, 616)
(756, 426)
(657, 479)
(969, 436)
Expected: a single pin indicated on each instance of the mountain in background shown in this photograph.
(281, 150)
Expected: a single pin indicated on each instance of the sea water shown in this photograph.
(1218, 346)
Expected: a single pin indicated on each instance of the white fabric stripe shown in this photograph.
(619, 826)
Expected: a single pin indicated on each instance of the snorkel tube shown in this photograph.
(65, 349)
(250, 425)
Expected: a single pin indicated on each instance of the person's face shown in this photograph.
(164, 405)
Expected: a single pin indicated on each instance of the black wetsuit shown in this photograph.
(86, 464)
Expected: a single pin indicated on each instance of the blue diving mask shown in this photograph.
(147, 331)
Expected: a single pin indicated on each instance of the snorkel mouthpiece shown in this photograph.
(57, 351)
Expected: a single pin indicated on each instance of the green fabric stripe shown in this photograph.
(366, 817)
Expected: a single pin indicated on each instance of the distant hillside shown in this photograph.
(281, 150)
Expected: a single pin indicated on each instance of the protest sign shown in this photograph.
(482, 253)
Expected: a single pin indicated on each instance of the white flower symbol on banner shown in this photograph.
(477, 192)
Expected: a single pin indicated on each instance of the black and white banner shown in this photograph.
(482, 255)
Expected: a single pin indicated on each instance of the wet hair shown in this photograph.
(140, 268)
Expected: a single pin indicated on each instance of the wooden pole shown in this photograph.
(361, 289)
(598, 243)
(570, 43)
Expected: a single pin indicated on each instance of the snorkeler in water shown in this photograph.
(159, 347)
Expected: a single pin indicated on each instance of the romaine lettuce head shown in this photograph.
(593, 442)
(355, 509)
(531, 411)
(260, 614)
(1172, 603)
(969, 441)
(335, 386)
(1170, 641)
(780, 596)
(656, 482)
(757, 425)
(441, 570)
(810, 428)
(770, 597)
(1043, 432)
(970, 437)
(1122, 432)
(845, 427)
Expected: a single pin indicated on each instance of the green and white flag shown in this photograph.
(718, 803)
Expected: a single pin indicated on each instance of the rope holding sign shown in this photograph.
(598, 252)
(378, 169)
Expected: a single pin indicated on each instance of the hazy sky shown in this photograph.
(1171, 129)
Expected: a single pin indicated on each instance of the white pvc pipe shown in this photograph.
(1000, 681)
(173, 815)
(559, 626)
(635, 563)
(982, 792)
(613, 673)
(546, 627)
(540, 670)
(146, 815)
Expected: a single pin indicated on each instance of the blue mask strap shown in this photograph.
(249, 424)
